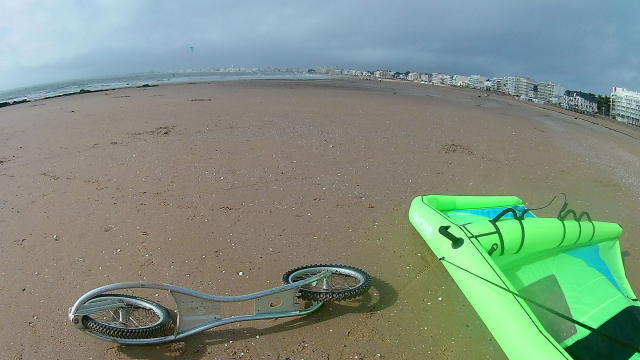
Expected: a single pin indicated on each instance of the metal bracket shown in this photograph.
(283, 301)
(194, 311)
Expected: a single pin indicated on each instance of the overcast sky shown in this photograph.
(587, 45)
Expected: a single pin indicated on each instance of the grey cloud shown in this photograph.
(585, 45)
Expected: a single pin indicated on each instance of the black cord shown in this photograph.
(526, 210)
(564, 212)
(551, 202)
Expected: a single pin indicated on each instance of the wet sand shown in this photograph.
(194, 184)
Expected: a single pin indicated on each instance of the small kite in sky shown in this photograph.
(191, 47)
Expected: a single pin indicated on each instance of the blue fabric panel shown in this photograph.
(493, 212)
(591, 256)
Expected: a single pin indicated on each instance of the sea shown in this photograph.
(38, 92)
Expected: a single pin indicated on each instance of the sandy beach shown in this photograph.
(194, 184)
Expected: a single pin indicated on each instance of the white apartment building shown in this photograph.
(495, 84)
(625, 105)
(384, 74)
(519, 86)
(440, 79)
(509, 85)
(326, 70)
(477, 81)
(460, 80)
(414, 76)
(548, 91)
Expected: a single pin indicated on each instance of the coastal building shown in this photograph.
(495, 84)
(326, 70)
(383, 74)
(440, 79)
(509, 85)
(414, 76)
(548, 91)
(625, 105)
(489, 85)
(520, 86)
(460, 80)
(526, 87)
(477, 81)
(350, 72)
(580, 102)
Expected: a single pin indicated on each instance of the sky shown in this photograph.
(585, 45)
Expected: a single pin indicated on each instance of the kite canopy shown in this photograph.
(547, 288)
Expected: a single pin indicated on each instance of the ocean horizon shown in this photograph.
(54, 89)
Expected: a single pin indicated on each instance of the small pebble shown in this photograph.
(439, 299)
(240, 273)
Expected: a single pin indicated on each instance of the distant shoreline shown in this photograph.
(79, 92)
(74, 86)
